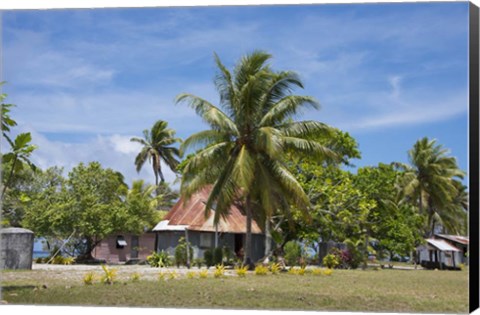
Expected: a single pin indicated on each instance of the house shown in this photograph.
(124, 247)
(187, 219)
(440, 252)
(460, 242)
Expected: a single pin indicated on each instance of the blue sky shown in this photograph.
(86, 81)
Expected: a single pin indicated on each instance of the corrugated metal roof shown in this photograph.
(442, 245)
(455, 238)
(163, 226)
(191, 214)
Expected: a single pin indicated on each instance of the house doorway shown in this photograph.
(238, 245)
(134, 251)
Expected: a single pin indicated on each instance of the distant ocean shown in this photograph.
(39, 253)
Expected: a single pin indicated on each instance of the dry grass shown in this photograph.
(344, 290)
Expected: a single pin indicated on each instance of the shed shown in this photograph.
(16, 248)
(438, 253)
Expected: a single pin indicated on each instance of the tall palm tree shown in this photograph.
(431, 183)
(157, 146)
(242, 155)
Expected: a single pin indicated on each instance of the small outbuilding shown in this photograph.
(439, 254)
(16, 248)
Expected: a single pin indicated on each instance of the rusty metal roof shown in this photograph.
(464, 240)
(191, 213)
(442, 245)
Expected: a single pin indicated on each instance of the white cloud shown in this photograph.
(115, 151)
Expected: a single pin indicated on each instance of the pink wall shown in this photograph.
(107, 249)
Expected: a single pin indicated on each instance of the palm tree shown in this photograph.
(156, 148)
(431, 183)
(242, 155)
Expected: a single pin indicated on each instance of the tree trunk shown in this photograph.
(268, 238)
(247, 260)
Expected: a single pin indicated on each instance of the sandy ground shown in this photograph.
(68, 273)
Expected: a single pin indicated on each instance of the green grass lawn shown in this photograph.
(344, 290)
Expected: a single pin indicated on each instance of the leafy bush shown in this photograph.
(89, 278)
(208, 257)
(293, 252)
(219, 271)
(198, 262)
(292, 271)
(161, 259)
(109, 275)
(203, 274)
(317, 272)
(172, 275)
(275, 268)
(135, 277)
(241, 271)
(348, 258)
(328, 272)
(161, 275)
(261, 270)
(181, 252)
(228, 257)
(331, 261)
(301, 271)
(217, 256)
(68, 260)
(191, 274)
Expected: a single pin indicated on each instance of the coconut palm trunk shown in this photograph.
(248, 235)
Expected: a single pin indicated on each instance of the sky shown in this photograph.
(85, 81)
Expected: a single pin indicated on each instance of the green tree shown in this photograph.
(157, 146)
(18, 158)
(242, 155)
(431, 183)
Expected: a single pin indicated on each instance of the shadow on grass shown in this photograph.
(11, 288)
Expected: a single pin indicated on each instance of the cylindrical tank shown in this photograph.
(16, 248)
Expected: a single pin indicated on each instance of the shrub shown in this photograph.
(317, 272)
(328, 272)
(331, 261)
(293, 252)
(217, 256)
(228, 256)
(348, 258)
(261, 270)
(292, 271)
(68, 260)
(191, 274)
(219, 271)
(275, 268)
(109, 275)
(203, 274)
(241, 271)
(57, 260)
(181, 252)
(301, 271)
(198, 262)
(161, 275)
(161, 259)
(172, 275)
(208, 257)
(135, 277)
(89, 278)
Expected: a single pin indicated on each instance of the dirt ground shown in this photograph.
(67, 273)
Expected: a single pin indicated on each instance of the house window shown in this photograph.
(121, 242)
(205, 239)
